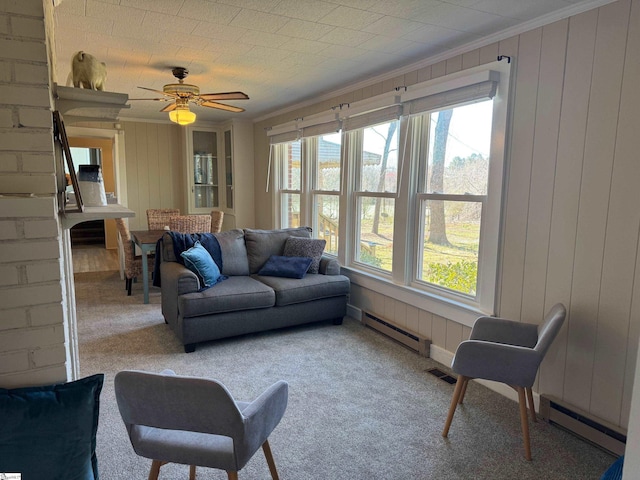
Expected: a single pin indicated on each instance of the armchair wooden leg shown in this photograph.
(272, 465)
(192, 472)
(454, 403)
(532, 407)
(155, 469)
(232, 475)
(464, 390)
(524, 420)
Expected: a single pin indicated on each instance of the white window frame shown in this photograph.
(402, 283)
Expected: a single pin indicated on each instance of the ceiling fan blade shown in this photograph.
(154, 99)
(225, 96)
(159, 91)
(221, 106)
(169, 107)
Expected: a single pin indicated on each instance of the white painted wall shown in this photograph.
(571, 217)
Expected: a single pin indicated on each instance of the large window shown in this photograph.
(451, 195)
(290, 181)
(325, 159)
(409, 192)
(375, 192)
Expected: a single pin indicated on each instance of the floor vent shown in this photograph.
(442, 376)
(409, 339)
(600, 433)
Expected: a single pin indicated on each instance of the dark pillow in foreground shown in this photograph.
(289, 267)
(50, 432)
(306, 247)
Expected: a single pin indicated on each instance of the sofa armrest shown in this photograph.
(178, 279)
(329, 266)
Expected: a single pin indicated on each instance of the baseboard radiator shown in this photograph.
(410, 339)
(596, 431)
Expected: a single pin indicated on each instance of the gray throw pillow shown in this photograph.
(306, 247)
(261, 244)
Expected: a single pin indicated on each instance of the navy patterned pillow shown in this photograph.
(306, 247)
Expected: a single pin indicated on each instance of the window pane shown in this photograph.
(328, 163)
(290, 210)
(327, 209)
(376, 232)
(379, 169)
(450, 245)
(291, 166)
(459, 141)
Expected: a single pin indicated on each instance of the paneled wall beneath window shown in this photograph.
(571, 212)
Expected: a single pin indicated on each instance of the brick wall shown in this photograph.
(32, 318)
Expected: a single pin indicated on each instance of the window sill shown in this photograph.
(441, 306)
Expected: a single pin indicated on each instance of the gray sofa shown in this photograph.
(246, 302)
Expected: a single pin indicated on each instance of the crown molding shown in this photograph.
(519, 29)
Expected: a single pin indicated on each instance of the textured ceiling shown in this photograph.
(279, 52)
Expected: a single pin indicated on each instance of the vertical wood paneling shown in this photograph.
(153, 170)
(425, 326)
(439, 331)
(413, 320)
(629, 139)
(439, 69)
(131, 150)
(471, 59)
(550, 82)
(152, 152)
(454, 335)
(165, 166)
(424, 74)
(630, 373)
(489, 53)
(400, 314)
(620, 245)
(564, 218)
(519, 173)
(153, 165)
(143, 171)
(454, 64)
(594, 197)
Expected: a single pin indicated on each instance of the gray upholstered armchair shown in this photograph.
(509, 352)
(196, 421)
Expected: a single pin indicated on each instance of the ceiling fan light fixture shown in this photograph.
(182, 115)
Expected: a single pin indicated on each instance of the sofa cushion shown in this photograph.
(234, 252)
(261, 244)
(290, 267)
(306, 247)
(312, 287)
(234, 294)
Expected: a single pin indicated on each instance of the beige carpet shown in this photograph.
(360, 405)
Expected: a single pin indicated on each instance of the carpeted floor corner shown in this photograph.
(360, 405)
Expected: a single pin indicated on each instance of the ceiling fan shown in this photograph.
(181, 94)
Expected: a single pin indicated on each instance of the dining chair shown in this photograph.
(132, 263)
(216, 221)
(158, 218)
(190, 223)
(196, 421)
(509, 352)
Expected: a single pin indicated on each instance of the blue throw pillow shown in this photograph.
(50, 431)
(290, 267)
(199, 261)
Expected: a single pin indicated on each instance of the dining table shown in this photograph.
(146, 240)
